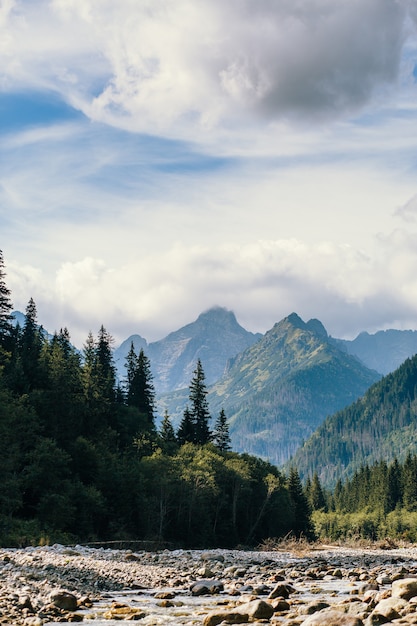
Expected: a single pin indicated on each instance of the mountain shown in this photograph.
(380, 425)
(214, 338)
(383, 351)
(279, 390)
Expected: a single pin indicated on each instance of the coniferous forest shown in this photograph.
(82, 458)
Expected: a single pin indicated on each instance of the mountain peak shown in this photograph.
(295, 320)
(217, 314)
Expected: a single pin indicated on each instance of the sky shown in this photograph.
(160, 157)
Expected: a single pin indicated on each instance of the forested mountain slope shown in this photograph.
(278, 391)
(380, 425)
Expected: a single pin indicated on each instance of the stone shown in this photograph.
(250, 611)
(391, 608)
(257, 609)
(313, 607)
(332, 618)
(205, 587)
(405, 588)
(229, 617)
(281, 590)
(64, 600)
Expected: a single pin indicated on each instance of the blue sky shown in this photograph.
(158, 158)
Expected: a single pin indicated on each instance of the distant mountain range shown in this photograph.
(384, 351)
(278, 391)
(214, 338)
(380, 425)
(278, 388)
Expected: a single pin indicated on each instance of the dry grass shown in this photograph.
(301, 546)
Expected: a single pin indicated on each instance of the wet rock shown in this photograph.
(203, 587)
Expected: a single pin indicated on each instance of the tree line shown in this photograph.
(378, 501)
(84, 459)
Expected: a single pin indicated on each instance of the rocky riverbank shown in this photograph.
(327, 587)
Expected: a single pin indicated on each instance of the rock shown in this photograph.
(203, 587)
(64, 600)
(281, 590)
(405, 588)
(164, 595)
(229, 617)
(280, 605)
(313, 607)
(250, 611)
(257, 609)
(332, 618)
(391, 608)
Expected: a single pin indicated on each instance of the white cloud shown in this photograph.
(262, 282)
(178, 67)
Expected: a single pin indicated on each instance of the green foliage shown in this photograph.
(81, 459)
(380, 425)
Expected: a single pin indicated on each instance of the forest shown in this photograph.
(83, 459)
(378, 502)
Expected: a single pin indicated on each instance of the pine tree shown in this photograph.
(315, 494)
(30, 347)
(301, 507)
(167, 436)
(186, 429)
(140, 389)
(221, 436)
(104, 369)
(5, 304)
(199, 406)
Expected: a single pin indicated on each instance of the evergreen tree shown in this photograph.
(199, 406)
(167, 436)
(301, 508)
(104, 369)
(315, 494)
(30, 347)
(186, 429)
(5, 305)
(221, 436)
(140, 389)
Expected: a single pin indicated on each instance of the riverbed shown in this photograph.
(55, 584)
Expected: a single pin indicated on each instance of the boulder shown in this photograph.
(281, 590)
(332, 618)
(248, 612)
(206, 587)
(390, 608)
(405, 588)
(64, 600)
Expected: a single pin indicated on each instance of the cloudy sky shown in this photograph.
(159, 157)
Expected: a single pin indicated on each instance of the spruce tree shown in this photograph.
(301, 508)
(186, 429)
(140, 389)
(5, 304)
(30, 347)
(221, 436)
(169, 443)
(315, 494)
(199, 406)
